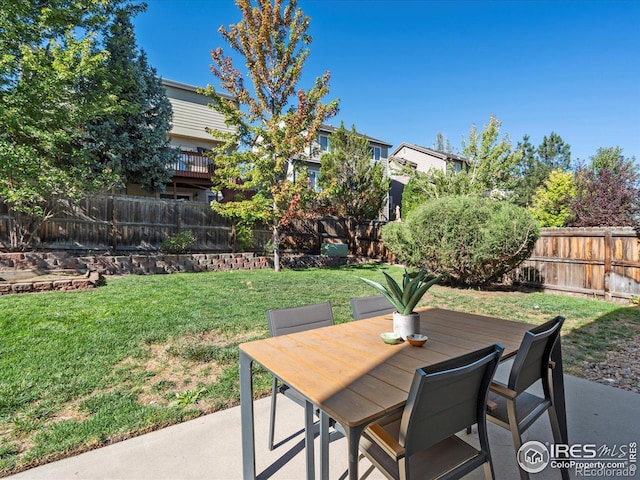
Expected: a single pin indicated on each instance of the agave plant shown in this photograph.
(405, 298)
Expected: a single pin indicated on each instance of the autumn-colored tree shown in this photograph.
(273, 121)
(607, 191)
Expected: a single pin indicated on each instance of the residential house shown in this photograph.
(322, 144)
(192, 173)
(421, 159)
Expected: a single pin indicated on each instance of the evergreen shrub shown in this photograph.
(475, 240)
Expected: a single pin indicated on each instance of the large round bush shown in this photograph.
(475, 240)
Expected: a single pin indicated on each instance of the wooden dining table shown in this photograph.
(350, 375)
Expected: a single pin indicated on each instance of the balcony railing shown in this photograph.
(193, 164)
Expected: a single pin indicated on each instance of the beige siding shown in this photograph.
(423, 161)
(191, 114)
(191, 119)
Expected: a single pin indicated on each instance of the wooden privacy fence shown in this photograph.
(119, 224)
(361, 236)
(603, 262)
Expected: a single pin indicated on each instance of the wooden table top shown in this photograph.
(352, 375)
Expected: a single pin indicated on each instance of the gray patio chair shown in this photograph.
(513, 407)
(366, 307)
(421, 442)
(292, 320)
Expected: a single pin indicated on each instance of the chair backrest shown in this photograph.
(367, 307)
(532, 360)
(447, 397)
(299, 319)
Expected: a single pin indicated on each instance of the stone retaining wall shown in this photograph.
(90, 280)
(94, 266)
(132, 264)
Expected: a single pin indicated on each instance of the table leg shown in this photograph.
(246, 418)
(353, 439)
(308, 440)
(324, 446)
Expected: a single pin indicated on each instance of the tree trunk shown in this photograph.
(276, 248)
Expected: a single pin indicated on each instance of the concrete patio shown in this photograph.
(211, 446)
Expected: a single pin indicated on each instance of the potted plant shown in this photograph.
(405, 298)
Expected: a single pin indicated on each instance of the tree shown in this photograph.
(552, 202)
(52, 84)
(435, 183)
(492, 161)
(349, 179)
(607, 192)
(530, 174)
(609, 157)
(554, 153)
(492, 164)
(273, 122)
(442, 143)
(134, 142)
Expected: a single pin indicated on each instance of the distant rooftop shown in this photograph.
(330, 129)
(429, 151)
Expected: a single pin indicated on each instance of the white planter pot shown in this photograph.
(404, 325)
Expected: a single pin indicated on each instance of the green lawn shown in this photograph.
(80, 369)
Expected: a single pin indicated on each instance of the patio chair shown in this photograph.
(513, 407)
(366, 307)
(292, 320)
(421, 442)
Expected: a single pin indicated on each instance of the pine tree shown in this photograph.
(349, 180)
(555, 153)
(530, 174)
(133, 140)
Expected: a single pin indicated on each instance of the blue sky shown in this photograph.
(405, 70)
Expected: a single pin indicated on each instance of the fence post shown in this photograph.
(114, 223)
(179, 218)
(318, 226)
(608, 240)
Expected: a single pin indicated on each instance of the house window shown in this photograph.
(314, 175)
(375, 153)
(323, 140)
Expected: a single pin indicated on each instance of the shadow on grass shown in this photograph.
(355, 267)
(590, 343)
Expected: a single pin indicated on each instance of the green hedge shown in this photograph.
(475, 240)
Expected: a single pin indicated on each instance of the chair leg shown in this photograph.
(557, 436)
(515, 433)
(488, 470)
(272, 416)
(403, 469)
